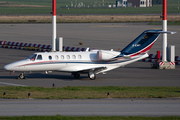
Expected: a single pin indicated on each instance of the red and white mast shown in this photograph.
(164, 28)
(53, 25)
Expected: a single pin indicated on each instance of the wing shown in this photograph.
(83, 69)
(95, 69)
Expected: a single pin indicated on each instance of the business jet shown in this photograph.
(91, 62)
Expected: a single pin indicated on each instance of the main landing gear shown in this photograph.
(76, 75)
(21, 76)
(91, 75)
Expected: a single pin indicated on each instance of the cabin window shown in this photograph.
(68, 57)
(39, 57)
(50, 57)
(62, 57)
(74, 57)
(56, 57)
(79, 56)
(32, 57)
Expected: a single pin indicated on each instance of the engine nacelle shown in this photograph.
(106, 55)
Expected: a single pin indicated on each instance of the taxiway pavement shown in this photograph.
(95, 107)
(102, 36)
(136, 74)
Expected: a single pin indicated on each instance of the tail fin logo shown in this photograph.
(135, 45)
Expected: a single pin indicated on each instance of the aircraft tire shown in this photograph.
(92, 76)
(76, 75)
(21, 76)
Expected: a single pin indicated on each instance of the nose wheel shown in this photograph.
(21, 76)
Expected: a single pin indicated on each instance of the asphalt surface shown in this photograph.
(96, 107)
(101, 36)
(94, 35)
(136, 74)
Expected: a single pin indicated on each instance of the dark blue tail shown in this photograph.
(142, 43)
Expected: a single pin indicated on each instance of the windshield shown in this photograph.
(32, 57)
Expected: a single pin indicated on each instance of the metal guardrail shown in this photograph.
(35, 47)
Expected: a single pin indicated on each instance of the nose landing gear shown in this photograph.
(21, 76)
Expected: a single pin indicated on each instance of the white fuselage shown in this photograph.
(71, 61)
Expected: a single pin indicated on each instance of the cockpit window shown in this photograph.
(39, 57)
(32, 57)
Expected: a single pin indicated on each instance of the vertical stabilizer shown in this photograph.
(142, 44)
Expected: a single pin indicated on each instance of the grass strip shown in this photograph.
(121, 10)
(153, 19)
(58, 117)
(84, 92)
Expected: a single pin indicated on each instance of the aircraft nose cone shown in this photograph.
(8, 67)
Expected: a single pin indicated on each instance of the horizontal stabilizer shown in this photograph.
(169, 32)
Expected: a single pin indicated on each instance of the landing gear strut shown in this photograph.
(21, 76)
(91, 75)
(76, 75)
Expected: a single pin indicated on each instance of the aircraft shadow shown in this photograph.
(138, 67)
(53, 76)
(45, 76)
(8, 77)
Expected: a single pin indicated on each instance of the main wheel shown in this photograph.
(76, 75)
(92, 76)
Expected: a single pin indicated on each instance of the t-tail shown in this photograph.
(142, 44)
